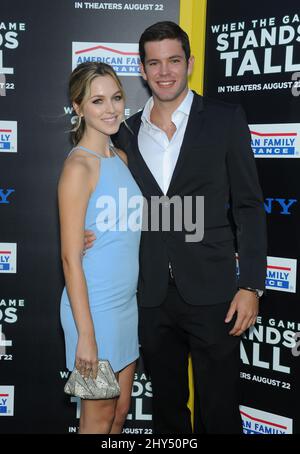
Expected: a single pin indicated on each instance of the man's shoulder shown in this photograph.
(218, 111)
(129, 125)
(218, 105)
(135, 117)
(126, 131)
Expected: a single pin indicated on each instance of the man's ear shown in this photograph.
(143, 73)
(191, 62)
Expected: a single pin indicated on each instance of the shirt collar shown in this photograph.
(184, 107)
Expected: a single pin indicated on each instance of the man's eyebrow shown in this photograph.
(169, 58)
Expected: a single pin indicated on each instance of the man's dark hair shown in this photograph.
(164, 30)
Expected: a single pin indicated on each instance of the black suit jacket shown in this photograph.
(215, 161)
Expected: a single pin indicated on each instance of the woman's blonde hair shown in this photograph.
(79, 88)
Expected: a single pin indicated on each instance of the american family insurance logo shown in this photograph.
(8, 257)
(281, 274)
(276, 140)
(8, 136)
(7, 400)
(262, 422)
(123, 57)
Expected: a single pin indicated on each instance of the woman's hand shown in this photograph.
(87, 356)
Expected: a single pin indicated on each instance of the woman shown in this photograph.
(98, 305)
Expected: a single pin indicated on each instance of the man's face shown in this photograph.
(166, 69)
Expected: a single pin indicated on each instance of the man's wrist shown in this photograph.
(258, 293)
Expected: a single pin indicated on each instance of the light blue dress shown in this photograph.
(111, 266)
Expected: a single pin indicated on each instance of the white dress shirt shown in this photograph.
(160, 153)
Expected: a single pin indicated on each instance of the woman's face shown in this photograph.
(103, 109)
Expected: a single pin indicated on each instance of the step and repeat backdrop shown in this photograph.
(252, 58)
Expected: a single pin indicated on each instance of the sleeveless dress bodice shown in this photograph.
(110, 266)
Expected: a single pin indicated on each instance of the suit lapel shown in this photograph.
(138, 165)
(191, 136)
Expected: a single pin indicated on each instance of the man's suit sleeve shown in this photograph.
(247, 205)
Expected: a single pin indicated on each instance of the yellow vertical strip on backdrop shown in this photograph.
(192, 19)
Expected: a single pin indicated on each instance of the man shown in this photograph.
(190, 299)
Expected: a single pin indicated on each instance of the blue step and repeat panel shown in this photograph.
(253, 58)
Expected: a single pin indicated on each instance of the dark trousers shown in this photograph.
(168, 333)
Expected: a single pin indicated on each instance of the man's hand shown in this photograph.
(245, 304)
(89, 238)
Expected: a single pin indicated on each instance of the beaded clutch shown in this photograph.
(104, 386)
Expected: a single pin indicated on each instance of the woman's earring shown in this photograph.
(76, 120)
(79, 117)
